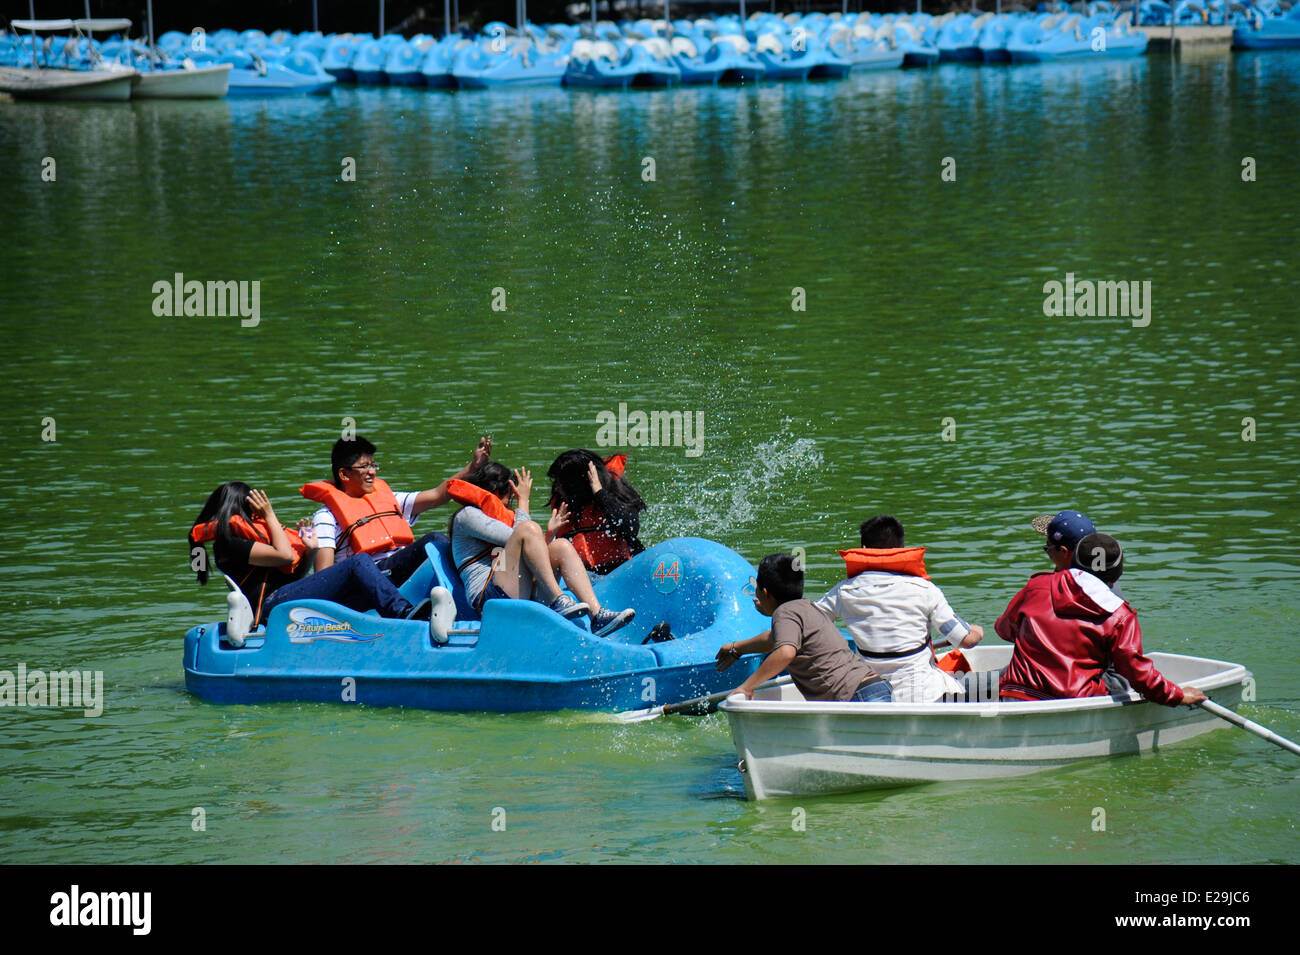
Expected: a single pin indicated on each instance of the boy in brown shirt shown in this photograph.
(802, 640)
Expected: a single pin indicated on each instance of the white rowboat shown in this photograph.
(95, 85)
(790, 747)
(191, 82)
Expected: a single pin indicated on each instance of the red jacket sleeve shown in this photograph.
(1007, 625)
(1129, 661)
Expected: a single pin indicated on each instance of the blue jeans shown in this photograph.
(401, 564)
(873, 691)
(355, 583)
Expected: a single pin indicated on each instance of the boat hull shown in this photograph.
(1274, 35)
(87, 85)
(207, 82)
(792, 748)
(520, 656)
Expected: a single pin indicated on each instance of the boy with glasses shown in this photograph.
(361, 514)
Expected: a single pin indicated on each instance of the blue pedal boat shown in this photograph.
(1269, 32)
(481, 66)
(518, 656)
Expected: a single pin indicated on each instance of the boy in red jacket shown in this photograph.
(1069, 628)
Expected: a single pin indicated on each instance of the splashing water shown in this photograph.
(729, 497)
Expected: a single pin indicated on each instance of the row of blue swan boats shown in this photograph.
(651, 52)
(1257, 24)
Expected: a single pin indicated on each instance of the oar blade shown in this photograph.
(640, 716)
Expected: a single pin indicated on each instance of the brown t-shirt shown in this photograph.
(824, 667)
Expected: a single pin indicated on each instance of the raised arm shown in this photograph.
(277, 553)
(625, 521)
(438, 496)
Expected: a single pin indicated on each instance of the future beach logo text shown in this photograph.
(307, 625)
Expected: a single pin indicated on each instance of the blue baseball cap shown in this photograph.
(1066, 529)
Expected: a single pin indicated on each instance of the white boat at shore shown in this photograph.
(790, 747)
(188, 82)
(94, 85)
(92, 77)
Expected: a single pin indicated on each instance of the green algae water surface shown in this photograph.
(848, 285)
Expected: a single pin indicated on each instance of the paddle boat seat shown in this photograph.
(439, 570)
(684, 47)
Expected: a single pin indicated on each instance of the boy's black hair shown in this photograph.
(777, 575)
(881, 531)
(492, 476)
(346, 453)
(1101, 556)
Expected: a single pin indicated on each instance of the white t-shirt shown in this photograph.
(891, 613)
(327, 528)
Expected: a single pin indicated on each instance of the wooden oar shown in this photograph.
(1263, 732)
(687, 706)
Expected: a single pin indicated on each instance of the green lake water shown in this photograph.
(923, 302)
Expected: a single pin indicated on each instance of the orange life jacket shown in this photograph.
(897, 560)
(954, 661)
(258, 531)
(472, 495)
(374, 522)
(600, 549)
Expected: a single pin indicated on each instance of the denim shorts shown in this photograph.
(873, 691)
(490, 592)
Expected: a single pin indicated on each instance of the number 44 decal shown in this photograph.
(667, 573)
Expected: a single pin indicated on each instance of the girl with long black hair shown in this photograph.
(605, 509)
(265, 560)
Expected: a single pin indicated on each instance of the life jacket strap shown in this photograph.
(261, 592)
(361, 522)
(485, 552)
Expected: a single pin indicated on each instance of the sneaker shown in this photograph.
(567, 607)
(604, 622)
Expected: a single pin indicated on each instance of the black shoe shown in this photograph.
(660, 633)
